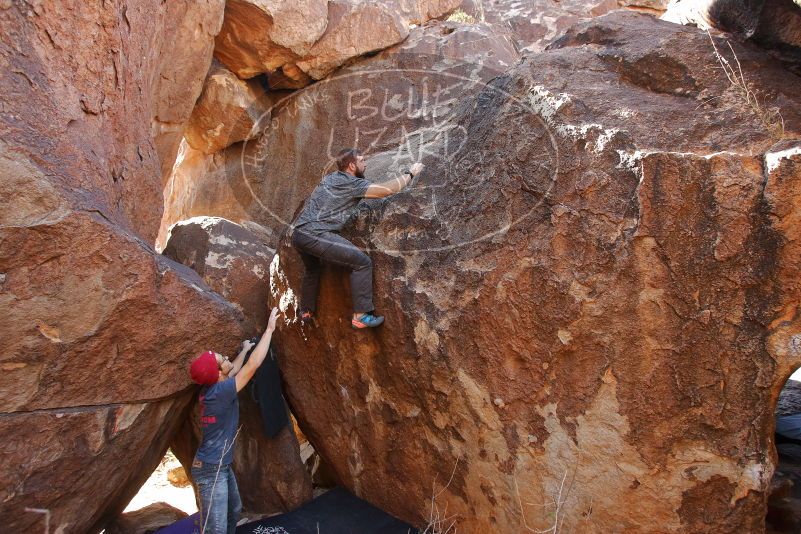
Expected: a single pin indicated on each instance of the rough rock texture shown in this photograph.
(183, 52)
(198, 186)
(591, 303)
(93, 316)
(773, 24)
(235, 262)
(229, 110)
(232, 260)
(97, 329)
(146, 520)
(103, 100)
(78, 467)
(534, 24)
(302, 43)
(374, 104)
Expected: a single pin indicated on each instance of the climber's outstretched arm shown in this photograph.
(390, 187)
(259, 353)
(240, 358)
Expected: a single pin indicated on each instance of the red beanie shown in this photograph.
(204, 369)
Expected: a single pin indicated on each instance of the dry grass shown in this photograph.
(462, 17)
(439, 522)
(553, 508)
(770, 118)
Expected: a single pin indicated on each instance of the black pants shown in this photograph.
(333, 248)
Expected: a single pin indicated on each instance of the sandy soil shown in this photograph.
(159, 489)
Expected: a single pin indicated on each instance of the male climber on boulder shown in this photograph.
(315, 233)
(214, 479)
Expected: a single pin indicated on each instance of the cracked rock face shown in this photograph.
(591, 305)
(296, 44)
(97, 329)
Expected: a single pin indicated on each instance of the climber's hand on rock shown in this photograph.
(417, 168)
(247, 345)
(273, 319)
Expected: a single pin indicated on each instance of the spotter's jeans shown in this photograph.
(220, 504)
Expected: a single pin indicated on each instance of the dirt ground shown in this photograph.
(159, 489)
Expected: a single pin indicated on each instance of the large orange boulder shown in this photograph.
(591, 303)
(97, 328)
(97, 338)
(228, 110)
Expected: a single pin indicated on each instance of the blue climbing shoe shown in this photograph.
(367, 320)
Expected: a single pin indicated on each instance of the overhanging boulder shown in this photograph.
(297, 44)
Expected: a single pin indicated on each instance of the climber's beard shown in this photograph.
(359, 174)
